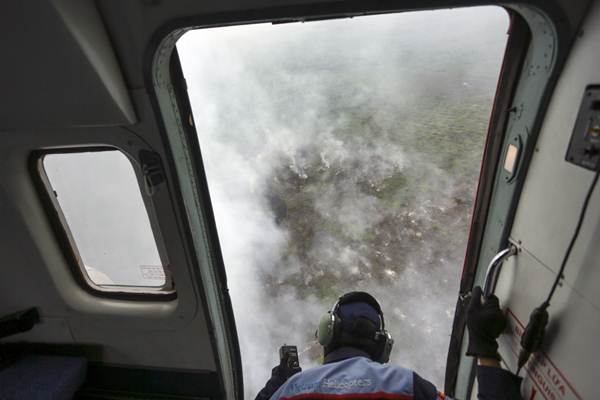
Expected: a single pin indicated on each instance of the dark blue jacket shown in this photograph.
(350, 373)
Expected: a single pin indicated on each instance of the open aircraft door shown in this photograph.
(92, 76)
(535, 228)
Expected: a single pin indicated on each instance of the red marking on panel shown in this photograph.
(533, 393)
(546, 379)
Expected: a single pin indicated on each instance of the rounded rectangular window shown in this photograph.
(106, 220)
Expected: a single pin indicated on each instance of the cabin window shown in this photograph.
(344, 155)
(106, 220)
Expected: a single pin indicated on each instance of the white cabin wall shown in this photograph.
(547, 213)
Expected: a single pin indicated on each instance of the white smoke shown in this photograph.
(309, 135)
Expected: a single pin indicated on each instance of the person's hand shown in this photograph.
(285, 370)
(485, 323)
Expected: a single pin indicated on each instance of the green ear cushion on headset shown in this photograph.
(326, 330)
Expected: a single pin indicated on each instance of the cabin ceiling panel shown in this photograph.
(58, 68)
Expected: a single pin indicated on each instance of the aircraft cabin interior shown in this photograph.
(101, 82)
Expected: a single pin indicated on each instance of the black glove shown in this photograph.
(485, 323)
(279, 374)
(285, 369)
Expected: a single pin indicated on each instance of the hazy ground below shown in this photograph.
(344, 155)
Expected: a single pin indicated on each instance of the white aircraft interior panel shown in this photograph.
(546, 217)
(85, 24)
(574, 325)
(143, 333)
(28, 273)
(130, 345)
(48, 330)
(58, 58)
(555, 189)
(75, 66)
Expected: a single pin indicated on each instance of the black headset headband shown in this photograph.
(359, 297)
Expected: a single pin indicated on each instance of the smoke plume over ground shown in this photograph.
(344, 155)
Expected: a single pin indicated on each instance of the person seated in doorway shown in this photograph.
(357, 348)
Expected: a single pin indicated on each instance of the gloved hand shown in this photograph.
(285, 369)
(279, 374)
(485, 323)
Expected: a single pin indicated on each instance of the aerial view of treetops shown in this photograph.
(344, 155)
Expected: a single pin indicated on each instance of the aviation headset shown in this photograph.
(330, 333)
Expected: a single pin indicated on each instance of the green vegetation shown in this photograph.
(413, 167)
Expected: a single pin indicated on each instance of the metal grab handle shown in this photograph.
(493, 271)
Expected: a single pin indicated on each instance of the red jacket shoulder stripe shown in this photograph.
(349, 396)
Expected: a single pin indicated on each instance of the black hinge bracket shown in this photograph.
(152, 170)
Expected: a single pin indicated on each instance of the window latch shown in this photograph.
(152, 170)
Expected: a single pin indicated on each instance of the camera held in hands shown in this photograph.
(288, 360)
